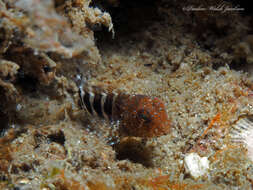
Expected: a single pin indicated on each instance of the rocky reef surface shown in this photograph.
(199, 62)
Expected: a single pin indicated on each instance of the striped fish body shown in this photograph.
(139, 115)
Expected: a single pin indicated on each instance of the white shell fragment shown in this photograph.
(242, 132)
(194, 164)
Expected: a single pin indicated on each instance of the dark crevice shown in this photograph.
(134, 151)
(239, 65)
(3, 122)
(58, 137)
(27, 82)
(217, 65)
(128, 17)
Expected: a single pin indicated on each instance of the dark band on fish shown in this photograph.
(86, 101)
(97, 104)
(108, 106)
(100, 104)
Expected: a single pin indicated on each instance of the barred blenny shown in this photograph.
(139, 115)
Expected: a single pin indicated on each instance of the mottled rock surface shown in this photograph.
(198, 62)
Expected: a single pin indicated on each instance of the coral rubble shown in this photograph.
(199, 63)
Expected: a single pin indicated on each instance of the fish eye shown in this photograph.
(144, 115)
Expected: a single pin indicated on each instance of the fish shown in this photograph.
(138, 115)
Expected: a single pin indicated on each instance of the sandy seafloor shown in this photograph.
(198, 62)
